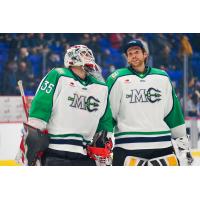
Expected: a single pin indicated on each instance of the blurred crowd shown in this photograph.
(28, 57)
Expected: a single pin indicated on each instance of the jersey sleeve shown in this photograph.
(115, 94)
(173, 113)
(41, 106)
(106, 122)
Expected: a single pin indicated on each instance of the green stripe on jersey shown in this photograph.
(142, 133)
(68, 135)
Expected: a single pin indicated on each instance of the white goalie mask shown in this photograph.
(82, 56)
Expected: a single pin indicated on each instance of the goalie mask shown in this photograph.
(82, 56)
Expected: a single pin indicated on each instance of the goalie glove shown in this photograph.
(182, 150)
(33, 144)
(37, 142)
(100, 149)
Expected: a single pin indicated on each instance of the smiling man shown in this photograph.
(147, 114)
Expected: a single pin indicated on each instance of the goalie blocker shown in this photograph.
(37, 142)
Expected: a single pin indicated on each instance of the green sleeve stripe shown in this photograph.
(142, 133)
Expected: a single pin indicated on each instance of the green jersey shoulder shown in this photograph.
(117, 74)
(58, 72)
(42, 103)
(155, 71)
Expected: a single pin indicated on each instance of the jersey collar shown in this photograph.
(140, 75)
(84, 82)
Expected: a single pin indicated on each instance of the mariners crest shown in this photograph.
(150, 95)
(82, 102)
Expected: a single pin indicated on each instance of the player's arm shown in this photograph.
(175, 120)
(106, 122)
(101, 147)
(41, 106)
(115, 94)
(37, 139)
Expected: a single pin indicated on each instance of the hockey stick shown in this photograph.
(25, 105)
(20, 158)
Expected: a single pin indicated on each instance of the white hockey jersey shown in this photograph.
(72, 109)
(145, 109)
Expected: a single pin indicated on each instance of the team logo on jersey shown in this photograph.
(90, 103)
(151, 95)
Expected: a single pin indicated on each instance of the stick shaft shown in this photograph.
(21, 89)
